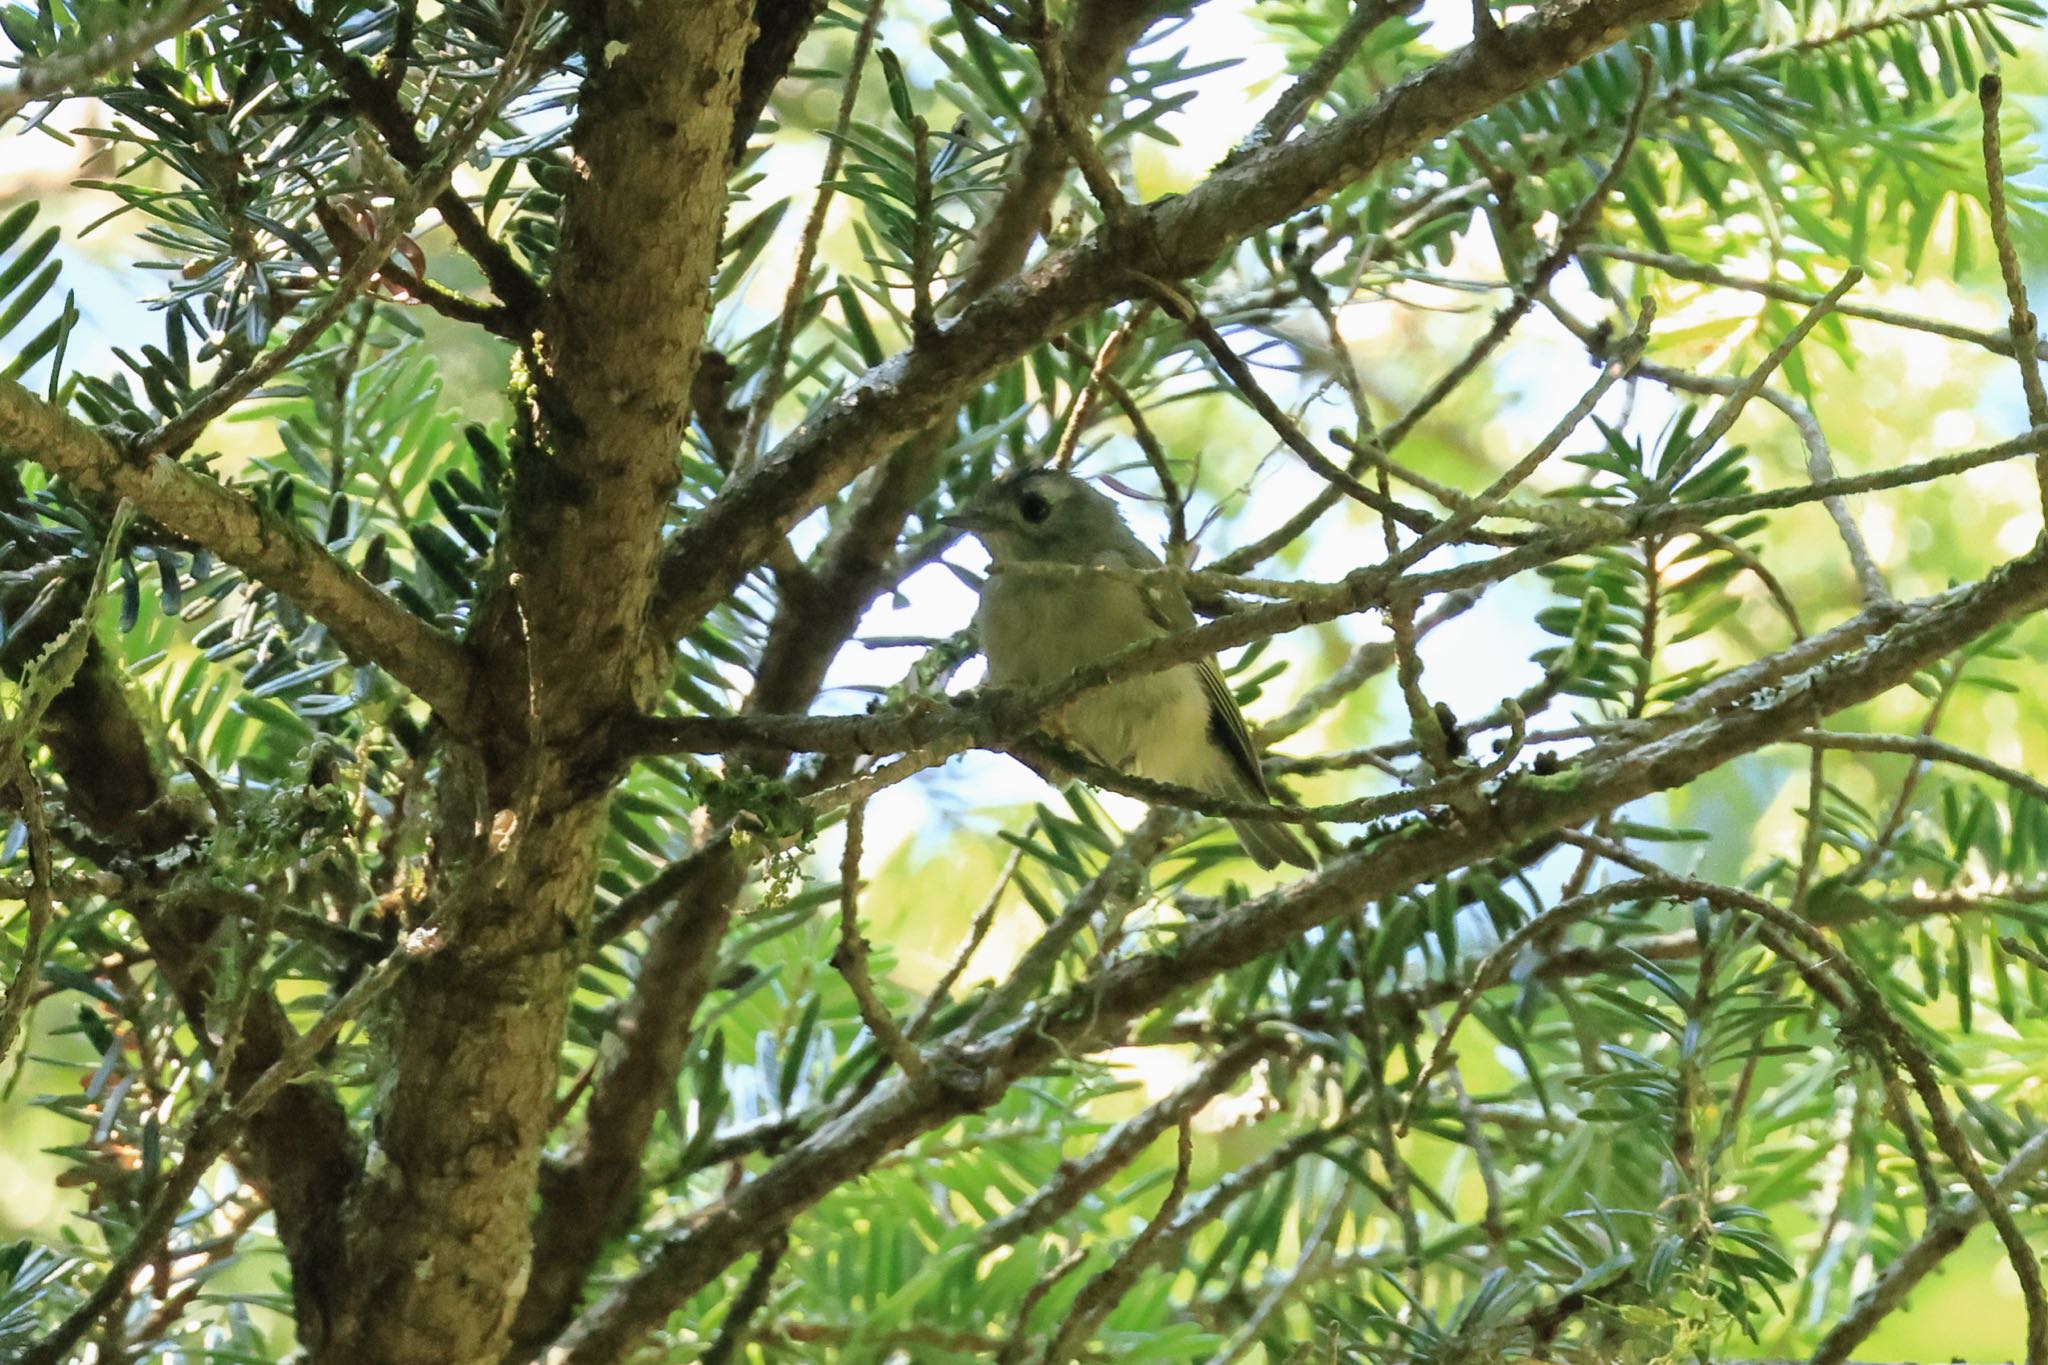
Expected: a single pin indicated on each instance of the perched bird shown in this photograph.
(1177, 725)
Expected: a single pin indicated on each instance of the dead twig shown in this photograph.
(1100, 1294)
(851, 957)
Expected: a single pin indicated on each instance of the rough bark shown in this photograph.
(440, 1241)
(583, 1200)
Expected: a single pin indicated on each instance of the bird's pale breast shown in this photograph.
(1038, 631)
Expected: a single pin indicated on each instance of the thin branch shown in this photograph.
(1184, 311)
(1100, 1294)
(1019, 1341)
(1875, 848)
(1583, 219)
(1123, 1144)
(370, 625)
(1616, 368)
(1724, 416)
(1942, 1236)
(1820, 465)
(1318, 76)
(780, 29)
(107, 55)
(1678, 267)
(1082, 410)
(1099, 34)
(2025, 332)
(851, 957)
(799, 291)
(1445, 789)
(977, 930)
(1060, 101)
(1491, 1221)
(1876, 22)
(753, 1296)
(662, 889)
(1495, 966)
(1925, 747)
(1365, 662)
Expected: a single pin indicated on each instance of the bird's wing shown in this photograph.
(1168, 607)
(1226, 724)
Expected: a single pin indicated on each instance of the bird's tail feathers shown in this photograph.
(1271, 843)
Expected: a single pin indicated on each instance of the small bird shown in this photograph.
(1177, 725)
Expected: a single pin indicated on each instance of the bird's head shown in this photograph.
(1042, 516)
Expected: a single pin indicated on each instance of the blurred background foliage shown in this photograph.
(175, 221)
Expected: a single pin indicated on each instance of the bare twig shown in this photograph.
(1617, 367)
(1316, 79)
(1943, 1235)
(1678, 267)
(1494, 967)
(1367, 661)
(1060, 102)
(1444, 789)
(1100, 1294)
(1724, 417)
(1082, 409)
(1820, 465)
(753, 1296)
(1492, 1222)
(977, 930)
(1570, 236)
(1019, 1340)
(2025, 332)
(851, 957)
(1184, 311)
(1925, 747)
(807, 246)
(1116, 1149)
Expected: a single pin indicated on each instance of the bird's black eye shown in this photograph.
(1033, 507)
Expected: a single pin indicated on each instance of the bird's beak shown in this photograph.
(968, 520)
